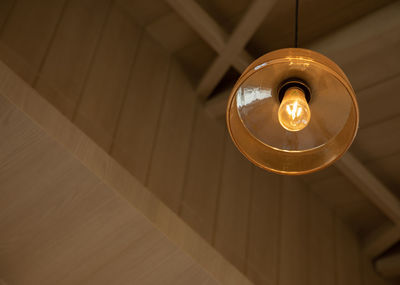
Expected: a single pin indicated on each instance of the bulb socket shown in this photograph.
(294, 82)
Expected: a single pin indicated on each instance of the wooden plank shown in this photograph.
(161, 29)
(380, 240)
(72, 49)
(360, 70)
(207, 28)
(356, 34)
(348, 202)
(233, 207)
(337, 190)
(386, 169)
(135, 136)
(347, 256)
(264, 223)
(370, 102)
(132, 265)
(199, 203)
(168, 164)
(378, 140)
(370, 186)
(294, 242)
(371, 43)
(321, 243)
(253, 17)
(100, 104)
(27, 34)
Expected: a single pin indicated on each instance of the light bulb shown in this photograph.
(294, 113)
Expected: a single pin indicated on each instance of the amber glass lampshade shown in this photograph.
(292, 111)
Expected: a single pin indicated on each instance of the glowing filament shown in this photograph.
(294, 113)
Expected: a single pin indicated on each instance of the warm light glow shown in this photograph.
(294, 113)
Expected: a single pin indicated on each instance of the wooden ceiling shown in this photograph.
(70, 227)
(363, 40)
(316, 19)
(71, 215)
(372, 64)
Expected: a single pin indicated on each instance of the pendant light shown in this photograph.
(292, 111)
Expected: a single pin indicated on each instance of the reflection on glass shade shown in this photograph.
(294, 113)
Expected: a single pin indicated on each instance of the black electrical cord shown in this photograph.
(296, 23)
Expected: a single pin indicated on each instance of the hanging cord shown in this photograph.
(296, 23)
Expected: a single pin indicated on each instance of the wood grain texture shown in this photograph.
(321, 242)
(348, 265)
(27, 34)
(169, 159)
(294, 243)
(184, 170)
(136, 131)
(67, 63)
(111, 176)
(233, 207)
(201, 189)
(61, 224)
(104, 92)
(264, 226)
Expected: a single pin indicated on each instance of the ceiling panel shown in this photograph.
(144, 12)
(317, 18)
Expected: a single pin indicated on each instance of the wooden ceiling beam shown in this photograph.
(370, 186)
(230, 49)
(381, 196)
(380, 240)
(378, 194)
(252, 19)
(207, 28)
